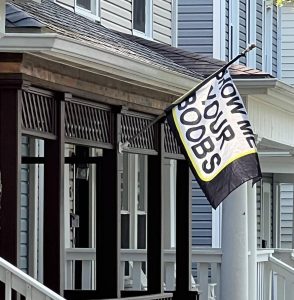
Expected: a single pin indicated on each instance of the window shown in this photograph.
(88, 8)
(134, 201)
(142, 17)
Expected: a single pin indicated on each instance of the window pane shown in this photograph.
(142, 182)
(141, 232)
(84, 4)
(124, 185)
(125, 231)
(139, 15)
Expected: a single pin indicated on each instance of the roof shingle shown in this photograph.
(69, 24)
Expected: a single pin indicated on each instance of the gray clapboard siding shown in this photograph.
(117, 15)
(162, 21)
(242, 29)
(259, 29)
(275, 42)
(201, 218)
(227, 29)
(24, 209)
(286, 215)
(195, 26)
(287, 41)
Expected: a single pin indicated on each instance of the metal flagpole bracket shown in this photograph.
(123, 146)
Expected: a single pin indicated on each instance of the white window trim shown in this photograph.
(219, 26)
(148, 34)
(175, 23)
(267, 38)
(216, 225)
(251, 26)
(93, 14)
(265, 228)
(233, 23)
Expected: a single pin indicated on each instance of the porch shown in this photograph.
(37, 219)
(275, 275)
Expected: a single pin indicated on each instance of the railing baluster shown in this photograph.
(215, 278)
(28, 292)
(68, 274)
(86, 274)
(267, 283)
(203, 280)
(280, 290)
(122, 274)
(170, 276)
(136, 275)
(8, 284)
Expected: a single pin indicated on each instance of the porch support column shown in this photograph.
(53, 205)
(10, 164)
(183, 232)
(234, 270)
(108, 222)
(252, 240)
(155, 221)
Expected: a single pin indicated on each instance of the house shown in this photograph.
(222, 29)
(78, 215)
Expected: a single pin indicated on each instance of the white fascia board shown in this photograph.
(100, 60)
(269, 90)
(253, 86)
(114, 65)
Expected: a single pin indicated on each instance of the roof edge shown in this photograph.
(101, 60)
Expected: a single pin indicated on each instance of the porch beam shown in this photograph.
(53, 205)
(155, 220)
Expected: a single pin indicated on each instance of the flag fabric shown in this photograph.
(212, 127)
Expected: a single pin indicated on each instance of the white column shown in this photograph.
(2, 17)
(252, 240)
(234, 270)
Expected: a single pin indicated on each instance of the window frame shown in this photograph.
(93, 13)
(267, 38)
(148, 34)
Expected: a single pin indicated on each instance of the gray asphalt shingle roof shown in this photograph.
(69, 24)
(16, 17)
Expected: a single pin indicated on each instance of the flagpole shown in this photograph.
(124, 145)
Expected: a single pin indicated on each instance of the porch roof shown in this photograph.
(68, 24)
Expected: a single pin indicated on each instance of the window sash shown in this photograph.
(139, 17)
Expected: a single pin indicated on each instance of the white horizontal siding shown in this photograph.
(68, 3)
(286, 215)
(162, 21)
(271, 123)
(117, 15)
(287, 40)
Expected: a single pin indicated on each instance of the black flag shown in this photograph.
(212, 126)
